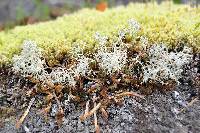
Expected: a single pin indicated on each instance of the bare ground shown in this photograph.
(176, 111)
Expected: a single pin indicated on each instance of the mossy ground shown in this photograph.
(168, 23)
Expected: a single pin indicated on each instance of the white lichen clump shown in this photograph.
(134, 26)
(115, 59)
(30, 61)
(102, 40)
(110, 61)
(164, 65)
(82, 68)
(77, 49)
(67, 76)
(132, 30)
(62, 76)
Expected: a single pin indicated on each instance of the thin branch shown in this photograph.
(95, 121)
(189, 104)
(129, 94)
(85, 116)
(18, 124)
(87, 107)
(58, 102)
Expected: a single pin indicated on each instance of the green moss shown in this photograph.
(166, 23)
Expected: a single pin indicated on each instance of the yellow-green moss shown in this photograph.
(166, 23)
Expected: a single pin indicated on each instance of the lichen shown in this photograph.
(106, 75)
(29, 62)
(164, 65)
(112, 60)
(167, 23)
(160, 64)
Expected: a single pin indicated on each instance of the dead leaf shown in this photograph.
(101, 6)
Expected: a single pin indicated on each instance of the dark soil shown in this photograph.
(159, 112)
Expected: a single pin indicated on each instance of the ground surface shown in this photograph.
(157, 113)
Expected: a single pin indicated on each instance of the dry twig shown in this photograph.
(129, 94)
(97, 129)
(18, 124)
(60, 113)
(189, 104)
(85, 116)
